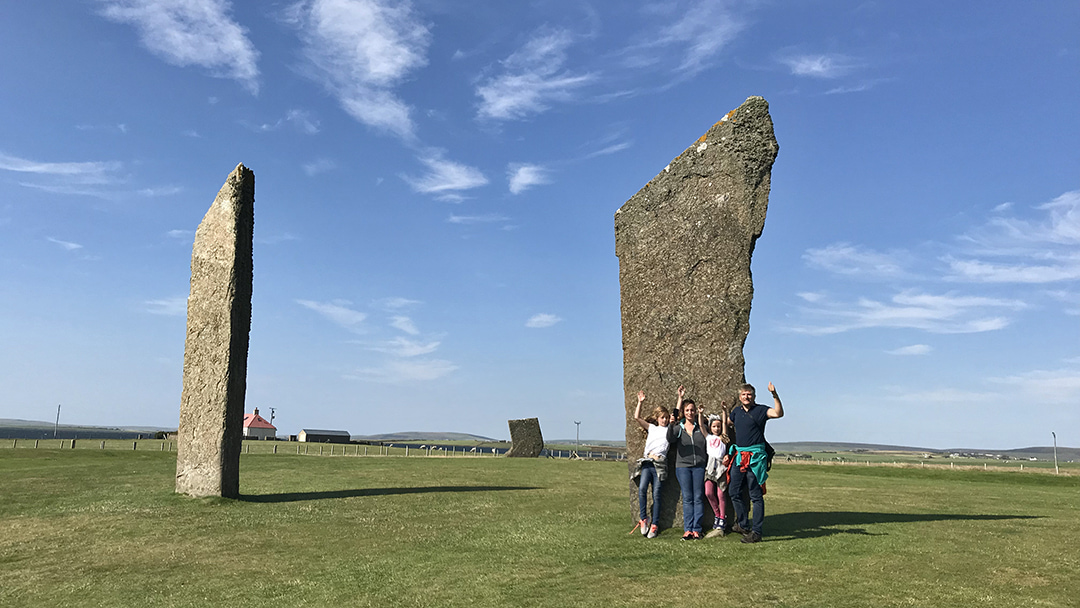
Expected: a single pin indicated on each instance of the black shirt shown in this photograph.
(749, 425)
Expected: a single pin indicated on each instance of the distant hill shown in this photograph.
(423, 436)
(13, 428)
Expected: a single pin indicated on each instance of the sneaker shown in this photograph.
(688, 535)
(736, 528)
(644, 525)
(717, 523)
(653, 532)
(695, 535)
(752, 537)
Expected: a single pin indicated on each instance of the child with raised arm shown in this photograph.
(651, 468)
(716, 445)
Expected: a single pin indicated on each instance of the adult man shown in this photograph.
(749, 468)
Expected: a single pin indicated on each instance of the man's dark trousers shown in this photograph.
(738, 498)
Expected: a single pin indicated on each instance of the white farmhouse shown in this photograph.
(257, 427)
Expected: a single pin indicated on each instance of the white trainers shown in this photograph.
(644, 525)
(653, 532)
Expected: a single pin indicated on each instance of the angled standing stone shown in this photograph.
(216, 349)
(525, 437)
(684, 243)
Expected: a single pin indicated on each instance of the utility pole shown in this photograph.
(578, 423)
(1055, 452)
(57, 425)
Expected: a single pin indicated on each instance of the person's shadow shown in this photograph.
(298, 496)
(816, 524)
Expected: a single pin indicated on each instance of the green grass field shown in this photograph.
(104, 528)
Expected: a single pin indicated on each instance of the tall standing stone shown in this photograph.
(526, 440)
(216, 349)
(684, 243)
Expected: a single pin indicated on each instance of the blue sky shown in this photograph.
(435, 190)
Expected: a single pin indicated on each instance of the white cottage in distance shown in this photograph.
(257, 427)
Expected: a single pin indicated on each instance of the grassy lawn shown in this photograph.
(104, 528)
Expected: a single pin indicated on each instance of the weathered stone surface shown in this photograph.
(526, 439)
(684, 243)
(216, 349)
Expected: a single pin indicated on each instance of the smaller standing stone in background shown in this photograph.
(526, 439)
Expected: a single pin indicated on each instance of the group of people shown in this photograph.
(725, 452)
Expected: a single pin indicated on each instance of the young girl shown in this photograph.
(715, 471)
(652, 467)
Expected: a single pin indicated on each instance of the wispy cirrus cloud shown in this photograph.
(404, 324)
(170, 307)
(395, 303)
(1008, 249)
(913, 350)
(404, 370)
(542, 320)
(531, 79)
(476, 219)
(66, 245)
(77, 178)
(944, 314)
(690, 35)
(523, 176)
(856, 260)
(359, 50)
(321, 165)
(445, 177)
(338, 312)
(191, 33)
(826, 66)
(300, 120)
(405, 347)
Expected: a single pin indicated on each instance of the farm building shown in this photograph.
(324, 436)
(257, 427)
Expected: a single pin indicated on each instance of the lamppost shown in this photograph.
(1055, 452)
(578, 423)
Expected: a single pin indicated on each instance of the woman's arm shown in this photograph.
(678, 401)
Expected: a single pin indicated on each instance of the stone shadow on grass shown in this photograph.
(817, 524)
(298, 496)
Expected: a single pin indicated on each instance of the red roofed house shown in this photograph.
(256, 427)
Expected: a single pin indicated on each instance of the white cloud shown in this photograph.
(445, 176)
(612, 149)
(185, 235)
(854, 260)
(321, 165)
(476, 219)
(275, 239)
(191, 32)
(338, 312)
(542, 320)
(404, 347)
(65, 244)
(1055, 387)
(944, 314)
(161, 191)
(1041, 250)
(531, 79)
(525, 176)
(914, 349)
(698, 32)
(82, 173)
(360, 50)
(810, 296)
(395, 303)
(819, 66)
(409, 370)
(170, 307)
(404, 324)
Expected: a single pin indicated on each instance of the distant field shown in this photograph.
(91, 527)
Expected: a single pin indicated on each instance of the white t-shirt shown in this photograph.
(714, 446)
(656, 442)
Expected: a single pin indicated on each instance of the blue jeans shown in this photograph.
(692, 486)
(649, 475)
(735, 490)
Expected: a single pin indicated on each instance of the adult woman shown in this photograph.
(689, 439)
